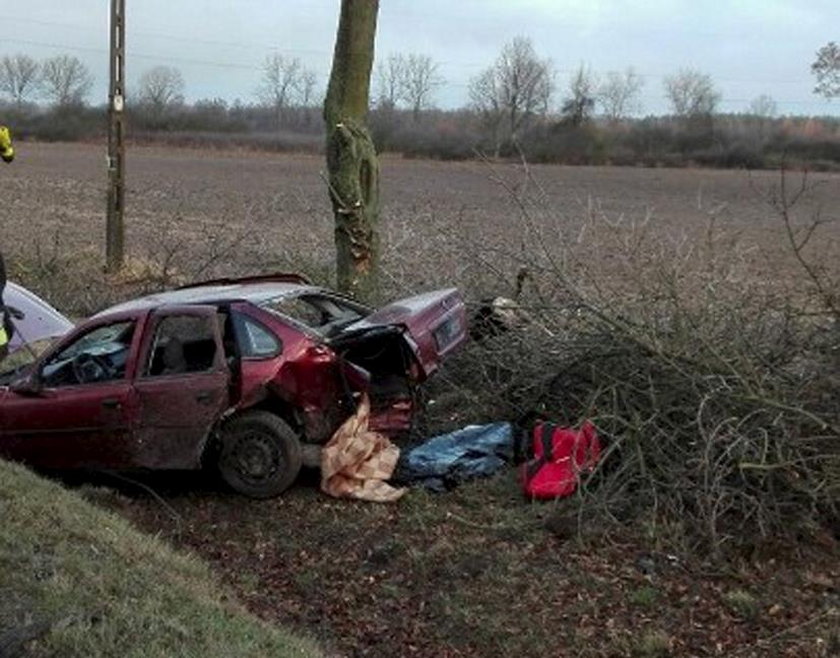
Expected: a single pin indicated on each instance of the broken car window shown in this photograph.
(182, 344)
(99, 355)
(319, 312)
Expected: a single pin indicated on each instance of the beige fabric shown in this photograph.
(357, 461)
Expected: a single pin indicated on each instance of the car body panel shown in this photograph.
(64, 426)
(81, 425)
(177, 410)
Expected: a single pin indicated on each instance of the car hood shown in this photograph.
(33, 318)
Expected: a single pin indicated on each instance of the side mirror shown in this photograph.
(29, 384)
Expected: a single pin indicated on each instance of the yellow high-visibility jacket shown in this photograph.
(7, 151)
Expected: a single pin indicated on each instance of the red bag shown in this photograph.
(560, 455)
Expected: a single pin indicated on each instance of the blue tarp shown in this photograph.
(444, 461)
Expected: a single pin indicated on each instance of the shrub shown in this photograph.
(711, 387)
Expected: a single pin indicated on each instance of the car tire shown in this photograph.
(259, 455)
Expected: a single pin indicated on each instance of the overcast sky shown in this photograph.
(749, 47)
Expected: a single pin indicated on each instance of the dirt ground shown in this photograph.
(479, 571)
(208, 213)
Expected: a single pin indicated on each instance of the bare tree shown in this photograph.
(281, 81)
(692, 94)
(65, 80)
(761, 111)
(826, 68)
(420, 79)
(618, 94)
(763, 106)
(308, 80)
(516, 88)
(18, 76)
(160, 88)
(351, 156)
(578, 105)
(390, 75)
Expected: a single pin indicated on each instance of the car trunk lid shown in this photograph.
(432, 323)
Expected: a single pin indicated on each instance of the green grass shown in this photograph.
(84, 582)
(645, 596)
(653, 644)
(741, 603)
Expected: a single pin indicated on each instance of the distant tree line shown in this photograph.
(516, 108)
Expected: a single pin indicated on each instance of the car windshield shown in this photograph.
(106, 346)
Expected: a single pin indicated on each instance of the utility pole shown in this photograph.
(115, 227)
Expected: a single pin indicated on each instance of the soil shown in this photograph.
(479, 571)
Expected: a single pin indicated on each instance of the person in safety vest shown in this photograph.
(7, 153)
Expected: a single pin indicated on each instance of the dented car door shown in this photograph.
(77, 406)
(182, 386)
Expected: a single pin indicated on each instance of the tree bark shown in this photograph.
(353, 169)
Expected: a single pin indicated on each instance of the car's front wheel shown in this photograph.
(260, 455)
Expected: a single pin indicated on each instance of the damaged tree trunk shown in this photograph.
(351, 157)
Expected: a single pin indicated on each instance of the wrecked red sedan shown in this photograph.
(243, 375)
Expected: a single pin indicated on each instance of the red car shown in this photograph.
(239, 374)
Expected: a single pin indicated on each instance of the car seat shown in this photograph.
(174, 361)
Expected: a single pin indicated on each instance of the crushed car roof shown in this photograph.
(254, 292)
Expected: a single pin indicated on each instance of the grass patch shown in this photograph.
(741, 603)
(80, 581)
(653, 644)
(645, 596)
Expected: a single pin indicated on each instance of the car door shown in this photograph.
(79, 406)
(182, 386)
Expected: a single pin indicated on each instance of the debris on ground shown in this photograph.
(561, 454)
(356, 462)
(445, 461)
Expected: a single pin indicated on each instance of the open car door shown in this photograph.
(182, 386)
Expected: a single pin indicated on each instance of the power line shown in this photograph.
(251, 46)
(182, 60)
(172, 37)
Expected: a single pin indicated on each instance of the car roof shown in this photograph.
(256, 293)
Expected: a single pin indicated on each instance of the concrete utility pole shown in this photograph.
(115, 228)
